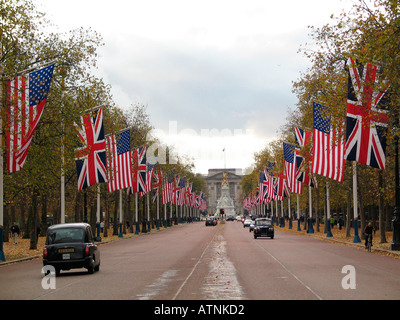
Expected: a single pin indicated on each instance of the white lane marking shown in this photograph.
(194, 268)
(291, 273)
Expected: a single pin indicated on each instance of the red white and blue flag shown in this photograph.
(328, 146)
(139, 170)
(289, 154)
(119, 164)
(90, 156)
(366, 124)
(26, 98)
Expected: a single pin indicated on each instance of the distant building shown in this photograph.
(214, 180)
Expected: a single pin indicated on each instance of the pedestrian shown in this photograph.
(15, 232)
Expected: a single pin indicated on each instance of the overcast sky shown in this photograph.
(213, 74)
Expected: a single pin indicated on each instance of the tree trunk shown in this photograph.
(34, 218)
(381, 208)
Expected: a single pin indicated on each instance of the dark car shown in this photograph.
(70, 246)
(230, 218)
(263, 227)
(211, 221)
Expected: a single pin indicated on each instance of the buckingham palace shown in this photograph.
(214, 183)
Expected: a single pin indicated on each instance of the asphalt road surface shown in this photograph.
(225, 262)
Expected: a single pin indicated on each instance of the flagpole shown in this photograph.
(298, 213)
(98, 214)
(136, 214)
(62, 182)
(355, 204)
(148, 211)
(158, 210)
(2, 257)
(120, 214)
(328, 211)
(310, 222)
(290, 214)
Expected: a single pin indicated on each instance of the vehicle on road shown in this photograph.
(263, 227)
(211, 221)
(230, 218)
(246, 223)
(71, 246)
(251, 226)
(239, 218)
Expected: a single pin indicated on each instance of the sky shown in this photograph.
(216, 76)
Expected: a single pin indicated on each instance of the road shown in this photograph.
(195, 262)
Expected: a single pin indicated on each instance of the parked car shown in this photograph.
(246, 223)
(211, 221)
(70, 246)
(263, 227)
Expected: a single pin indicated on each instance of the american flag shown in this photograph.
(139, 170)
(366, 125)
(289, 152)
(26, 98)
(328, 146)
(168, 188)
(119, 164)
(270, 182)
(90, 157)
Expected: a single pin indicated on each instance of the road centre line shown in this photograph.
(195, 266)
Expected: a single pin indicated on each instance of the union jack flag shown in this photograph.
(280, 187)
(26, 97)
(158, 176)
(90, 157)
(139, 170)
(149, 178)
(366, 125)
(302, 136)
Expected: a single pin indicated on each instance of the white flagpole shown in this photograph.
(328, 211)
(298, 213)
(98, 238)
(136, 214)
(120, 214)
(148, 211)
(355, 204)
(310, 224)
(158, 210)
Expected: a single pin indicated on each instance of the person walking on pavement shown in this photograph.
(15, 232)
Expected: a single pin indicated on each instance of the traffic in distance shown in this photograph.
(261, 227)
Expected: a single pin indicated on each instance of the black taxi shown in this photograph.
(263, 227)
(70, 246)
